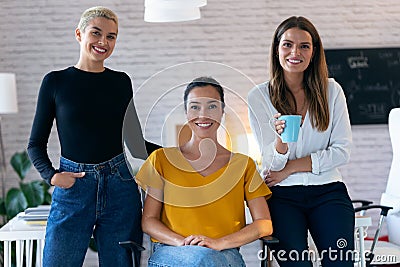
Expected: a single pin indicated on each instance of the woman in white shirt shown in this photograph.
(307, 189)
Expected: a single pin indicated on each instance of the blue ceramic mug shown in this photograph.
(290, 133)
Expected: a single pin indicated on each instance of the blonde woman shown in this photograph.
(94, 193)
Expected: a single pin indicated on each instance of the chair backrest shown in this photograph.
(391, 197)
(393, 184)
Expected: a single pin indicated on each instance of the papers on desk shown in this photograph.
(35, 216)
(42, 209)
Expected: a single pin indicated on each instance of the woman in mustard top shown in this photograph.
(194, 210)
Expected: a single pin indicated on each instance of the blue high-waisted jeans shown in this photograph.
(104, 203)
(194, 256)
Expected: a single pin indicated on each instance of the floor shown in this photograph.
(249, 252)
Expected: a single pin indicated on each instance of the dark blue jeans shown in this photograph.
(324, 210)
(104, 203)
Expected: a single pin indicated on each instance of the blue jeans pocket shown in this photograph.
(123, 172)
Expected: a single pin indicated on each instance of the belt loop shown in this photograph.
(114, 168)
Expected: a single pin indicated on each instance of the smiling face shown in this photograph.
(97, 42)
(295, 50)
(204, 111)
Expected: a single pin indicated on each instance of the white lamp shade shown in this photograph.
(8, 93)
(156, 14)
(174, 3)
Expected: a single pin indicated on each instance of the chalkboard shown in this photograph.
(370, 79)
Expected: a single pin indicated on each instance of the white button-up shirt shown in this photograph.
(328, 149)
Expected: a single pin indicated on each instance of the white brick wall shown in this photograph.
(38, 36)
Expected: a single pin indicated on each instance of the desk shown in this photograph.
(361, 225)
(24, 235)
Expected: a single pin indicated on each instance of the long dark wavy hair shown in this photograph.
(315, 81)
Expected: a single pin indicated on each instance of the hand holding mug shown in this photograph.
(286, 127)
(279, 124)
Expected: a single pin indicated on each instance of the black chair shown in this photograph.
(266, 241)
(136, 250)
(367, 205)
(363, 203)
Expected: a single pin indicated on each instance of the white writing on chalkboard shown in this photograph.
(370, 78)
(358, 62)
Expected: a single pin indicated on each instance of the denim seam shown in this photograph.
(158, 264)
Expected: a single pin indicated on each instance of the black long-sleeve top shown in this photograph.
(89, 110)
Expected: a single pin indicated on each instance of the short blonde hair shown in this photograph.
(96, 12)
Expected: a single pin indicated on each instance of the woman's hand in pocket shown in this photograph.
(66, 179)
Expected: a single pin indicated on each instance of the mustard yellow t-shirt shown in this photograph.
(210, 205)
